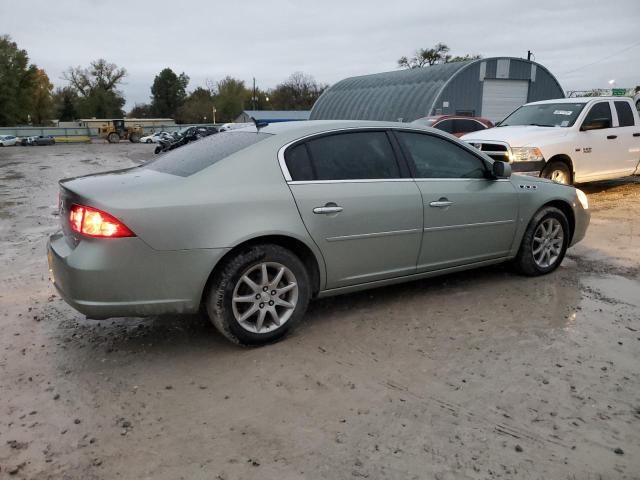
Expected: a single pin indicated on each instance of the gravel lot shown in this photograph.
(478, 375)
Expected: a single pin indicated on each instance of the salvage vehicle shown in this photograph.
(570, 140)
(187, 135)
(8, 140)
(455, 124)
(253, 223)
(37, 140)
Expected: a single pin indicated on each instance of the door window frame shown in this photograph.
(412, 167)
(614, 120)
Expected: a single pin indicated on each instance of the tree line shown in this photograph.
(27, 96)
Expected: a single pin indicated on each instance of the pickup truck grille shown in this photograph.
(497, 151)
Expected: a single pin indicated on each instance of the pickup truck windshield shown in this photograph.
(545, 115)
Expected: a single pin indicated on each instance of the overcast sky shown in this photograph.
(584, 43)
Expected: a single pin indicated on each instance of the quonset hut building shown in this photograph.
(487, 87)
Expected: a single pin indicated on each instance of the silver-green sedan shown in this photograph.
(252, 224)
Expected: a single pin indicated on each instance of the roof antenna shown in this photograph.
(259, 124)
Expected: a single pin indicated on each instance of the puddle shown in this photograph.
(614, 289)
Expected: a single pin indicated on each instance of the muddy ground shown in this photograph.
(478, 375)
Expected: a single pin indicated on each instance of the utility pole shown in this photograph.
(213, 111)
(253, 98)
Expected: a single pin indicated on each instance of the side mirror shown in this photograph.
(596, 124)
(501, 169)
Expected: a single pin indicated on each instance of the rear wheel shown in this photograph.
(113, 137)
(134, 138)
(544, 243)
(149, 140)
(558, 172)
(259, 295)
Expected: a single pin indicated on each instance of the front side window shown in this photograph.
(599, 111)
(353, 156)
(625, 114)
(435, 157)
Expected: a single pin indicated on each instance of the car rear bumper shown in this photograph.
(123, 277)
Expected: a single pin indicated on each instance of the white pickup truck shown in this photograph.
(569, 140)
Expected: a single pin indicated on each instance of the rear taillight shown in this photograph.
(96, 223)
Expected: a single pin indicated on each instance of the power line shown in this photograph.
(602, 59)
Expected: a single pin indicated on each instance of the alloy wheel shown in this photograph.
(265, 297)
(547, 242)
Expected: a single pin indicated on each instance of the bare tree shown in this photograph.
(99, 75)
(425, 57)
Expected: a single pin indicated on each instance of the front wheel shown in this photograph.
(259, 295)
(544, 243)
(558, 172)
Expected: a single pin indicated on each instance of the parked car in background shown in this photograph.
(156, 137)
(43, 140)
(8, 140)
(569, 140)
(252, 224)
(455, 124)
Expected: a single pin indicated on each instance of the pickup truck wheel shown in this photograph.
(259, 295)
(558, 172)
(544, 243)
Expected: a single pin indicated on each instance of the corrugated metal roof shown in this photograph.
(278, 114)
(406, 94)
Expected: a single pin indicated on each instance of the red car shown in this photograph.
(455, 124)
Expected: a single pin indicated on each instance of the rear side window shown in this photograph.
(466, 126)
(445, 126)
(436, 157)
(299, 164)
(189, 159)
(625, 114)
(353, 156)
(600, 111)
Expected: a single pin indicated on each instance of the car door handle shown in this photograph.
(442, 203)
(327, 209)
(637, 134)
(611, 137)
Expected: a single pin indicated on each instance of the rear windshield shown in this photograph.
(189, 159)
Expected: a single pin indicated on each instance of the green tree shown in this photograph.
(17, 81)
(65, 101)
(231, 95)
(97, 88)
(425, 57)
(298, 92)
(168, 92)
(141, 110)
(197, 108)
(42, 99)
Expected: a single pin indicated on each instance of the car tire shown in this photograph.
(558, 172)
(547, 232)
(259, 310)
(148, 141)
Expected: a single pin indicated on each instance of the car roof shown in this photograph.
(574, 100)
